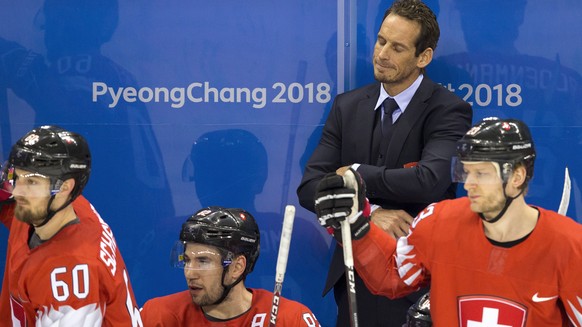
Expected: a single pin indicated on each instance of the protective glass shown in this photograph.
(27, 184)
(198, 258)
(479, 172)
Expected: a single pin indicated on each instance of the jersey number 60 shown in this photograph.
(80, 282)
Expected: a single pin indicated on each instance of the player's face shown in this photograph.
(32, 193)
(395, 63)
(203, 271)
(484, 188)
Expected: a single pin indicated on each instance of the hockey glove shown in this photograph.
(343, 197)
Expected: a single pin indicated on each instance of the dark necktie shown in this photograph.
(389, 106)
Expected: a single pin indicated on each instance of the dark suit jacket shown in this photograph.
(424, 137)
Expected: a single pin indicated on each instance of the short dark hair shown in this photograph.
(416, 10)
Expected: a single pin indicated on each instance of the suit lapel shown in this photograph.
(407, 120)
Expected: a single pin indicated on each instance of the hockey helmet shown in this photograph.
(54, 153)
(233, 230)
(419, 313)
(507, 142)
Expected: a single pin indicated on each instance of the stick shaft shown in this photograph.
(284, 245)
(349, 266)
(565, 201)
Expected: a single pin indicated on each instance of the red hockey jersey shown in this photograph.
(474, 283)
(75, 279)
(178, 310)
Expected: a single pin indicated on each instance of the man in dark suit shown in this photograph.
(400, 135)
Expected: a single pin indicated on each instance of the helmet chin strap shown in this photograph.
(508, 201)
(227, 288)
(51, 213)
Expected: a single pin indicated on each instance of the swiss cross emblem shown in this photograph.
(31, 139)
(204, 212)
(488, 311)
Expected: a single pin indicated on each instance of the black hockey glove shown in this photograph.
(343, 197)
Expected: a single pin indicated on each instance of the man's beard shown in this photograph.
(493, 203)
(26, 215)
(210, 297)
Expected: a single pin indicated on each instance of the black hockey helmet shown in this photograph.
(419, 313)
(55, 153)
(234, 230)
(505, 141)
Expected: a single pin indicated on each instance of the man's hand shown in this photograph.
(342, 170)
(339, 197)
(393, 222)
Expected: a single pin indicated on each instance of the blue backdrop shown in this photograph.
(190, 104)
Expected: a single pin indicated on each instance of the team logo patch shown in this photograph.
(473, 130)
(483, 310)
(31, 139)
(204, 213)
(67, 138)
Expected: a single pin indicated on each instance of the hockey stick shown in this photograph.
(349, 262)
(349, 266)
(565, 202)
(282, 261)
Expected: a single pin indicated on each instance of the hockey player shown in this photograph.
(63, 267)
(218, 248)
(490, 258)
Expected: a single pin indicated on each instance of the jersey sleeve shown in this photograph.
(573, 305)
(394, 268)
(571, 290)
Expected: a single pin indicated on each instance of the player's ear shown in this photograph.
(67, 186)
(65, 191)
(519, 176)
(238, 266)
